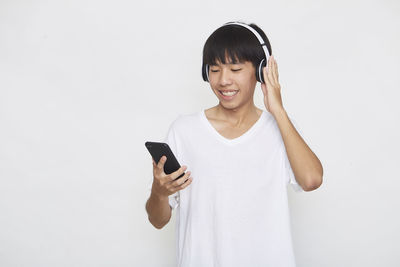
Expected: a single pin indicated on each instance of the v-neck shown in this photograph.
(236, 140)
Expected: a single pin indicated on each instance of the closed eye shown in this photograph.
(218, 70)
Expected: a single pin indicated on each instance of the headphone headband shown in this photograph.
(260, 39)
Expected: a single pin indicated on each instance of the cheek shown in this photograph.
(247, 79)
(214, 87)
(213, 84)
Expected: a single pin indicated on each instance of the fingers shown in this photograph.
(274, 70)
(182, 182)
(177, 173)
(158, 169)
(265, 71)
(267, 74)
(270, 67)
(161, 162)
(264, 89)
(271, 72)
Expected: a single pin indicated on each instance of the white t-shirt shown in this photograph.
(235, 213)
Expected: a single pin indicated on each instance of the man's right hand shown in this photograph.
(164, 184)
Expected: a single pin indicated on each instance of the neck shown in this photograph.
(239, 116)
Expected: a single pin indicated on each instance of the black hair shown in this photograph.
(237, 43)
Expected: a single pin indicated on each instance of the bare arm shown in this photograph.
(158, 210)
(305, 164)
(306, 167)
(157, 206)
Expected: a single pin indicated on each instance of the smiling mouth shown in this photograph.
(228, 92)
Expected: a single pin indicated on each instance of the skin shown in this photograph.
(232, 118)
(157, 206)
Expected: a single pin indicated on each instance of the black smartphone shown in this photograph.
(157, 150)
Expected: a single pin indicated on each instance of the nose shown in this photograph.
(224, 78)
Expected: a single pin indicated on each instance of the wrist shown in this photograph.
(279, 112)
(158, 196)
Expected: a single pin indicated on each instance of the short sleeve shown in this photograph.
(291, 179)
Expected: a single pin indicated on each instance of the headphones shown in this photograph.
(259, 74)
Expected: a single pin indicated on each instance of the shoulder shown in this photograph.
(273, 127)
(185, 120)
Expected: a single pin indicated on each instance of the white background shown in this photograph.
(84, 84)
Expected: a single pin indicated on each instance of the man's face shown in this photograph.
(239, 79)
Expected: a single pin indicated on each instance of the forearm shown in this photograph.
(158, 210)
(305, 165)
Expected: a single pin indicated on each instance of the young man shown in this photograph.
(233, 208)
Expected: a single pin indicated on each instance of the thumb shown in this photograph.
(161, 162)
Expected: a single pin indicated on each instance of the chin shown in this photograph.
(229, 106)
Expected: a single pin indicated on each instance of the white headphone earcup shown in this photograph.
(259, 72)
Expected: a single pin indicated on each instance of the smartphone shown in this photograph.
(157, 150)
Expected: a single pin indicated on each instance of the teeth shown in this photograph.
(229, 93)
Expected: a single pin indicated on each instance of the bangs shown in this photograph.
(225, 56)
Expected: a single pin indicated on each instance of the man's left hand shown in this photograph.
(271, 88)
